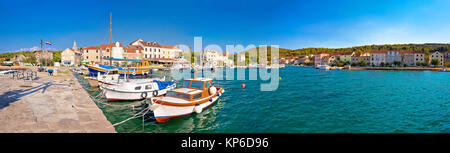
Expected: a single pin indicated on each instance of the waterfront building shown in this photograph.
(437, 55)
(157, 53)
(392, 56)
(419, 58)
(345, 57)
(318, 58)
(240, 59)
(154, 50)
(377, 57)
(47, 56)
(115, 49)
(215, 58)
(303, 59)
(408, 58)
(327, 60)
(71, 56)
(358, 57)
(447, 56)
(18, 58)
(411, 58)
(91, 55)
(132, 53)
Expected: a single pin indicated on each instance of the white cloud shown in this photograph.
(34, 48)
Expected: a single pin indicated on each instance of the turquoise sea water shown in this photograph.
(311, 100)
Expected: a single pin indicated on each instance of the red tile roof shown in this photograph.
(167, 46)
(91, 47)
(104, 46)
(130, 50)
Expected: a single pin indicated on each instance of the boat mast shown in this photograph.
(110, 39)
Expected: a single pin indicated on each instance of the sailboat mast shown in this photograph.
(110, 39)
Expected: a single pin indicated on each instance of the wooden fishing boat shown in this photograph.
(141, 70)
(195, 95)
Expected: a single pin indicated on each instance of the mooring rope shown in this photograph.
(140, 114)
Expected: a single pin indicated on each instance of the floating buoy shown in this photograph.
(280, 78)
(243, 85)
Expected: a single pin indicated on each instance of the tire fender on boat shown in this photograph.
(154, 106)
(144, 95)
(212, 90)
(197, 109)
(155, 93)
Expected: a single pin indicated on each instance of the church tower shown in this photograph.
(75, 46)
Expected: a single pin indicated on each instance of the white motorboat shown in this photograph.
(323, 67)
(137, 89)
(7, 72)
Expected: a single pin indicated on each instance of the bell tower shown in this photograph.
(75, 46)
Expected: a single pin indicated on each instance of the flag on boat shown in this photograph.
(48, 42)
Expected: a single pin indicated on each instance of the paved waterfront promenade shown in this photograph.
(54, 104)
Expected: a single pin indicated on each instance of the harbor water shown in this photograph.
(308, 100)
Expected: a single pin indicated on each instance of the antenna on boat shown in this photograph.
(110, 39)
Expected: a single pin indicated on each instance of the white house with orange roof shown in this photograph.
(156, 51)
(71, 56)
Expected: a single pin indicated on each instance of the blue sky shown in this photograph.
(289, 24)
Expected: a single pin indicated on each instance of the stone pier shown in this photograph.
(52, 104)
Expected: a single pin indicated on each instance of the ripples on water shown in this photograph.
(310, 100)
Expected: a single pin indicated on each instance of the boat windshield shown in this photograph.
(198, 85)
(186, 84)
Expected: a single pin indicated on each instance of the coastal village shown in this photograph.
(165, 56)
(374, 58)
(43, 92)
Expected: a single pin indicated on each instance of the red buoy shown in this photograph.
(243, 85)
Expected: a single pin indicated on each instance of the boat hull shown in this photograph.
(114, 95)
(166, 112)
(93, 71)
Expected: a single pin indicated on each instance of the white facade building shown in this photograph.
(153, 50)
(215, 58)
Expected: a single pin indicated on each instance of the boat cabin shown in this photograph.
(192, 89)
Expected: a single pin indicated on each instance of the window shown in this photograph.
(198, 96)
(208, 84)
(186, 83)
(185, 96)
(96, 51)
(137, 88)
(87, 51)
(148, 86)
(198, 85)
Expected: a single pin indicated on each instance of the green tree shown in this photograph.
(434, 62)
(397, 63)
(363, 63)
